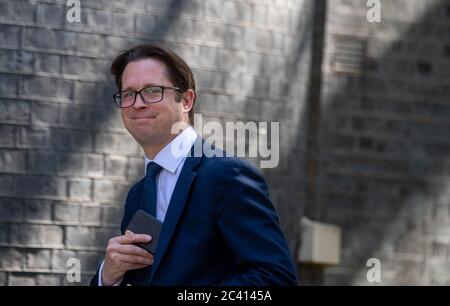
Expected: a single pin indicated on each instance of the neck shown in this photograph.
(151, 150)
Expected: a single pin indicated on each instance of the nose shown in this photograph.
(139, 103)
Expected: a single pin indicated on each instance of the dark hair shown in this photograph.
(178, 72)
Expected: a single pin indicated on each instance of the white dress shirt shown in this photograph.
(171, 158)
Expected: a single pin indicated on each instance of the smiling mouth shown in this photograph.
(148, 117)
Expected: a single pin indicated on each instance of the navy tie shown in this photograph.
(149, 196)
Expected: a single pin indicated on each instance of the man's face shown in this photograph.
(150, 123)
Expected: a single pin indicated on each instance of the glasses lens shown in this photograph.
(126, 98)
(152, 94)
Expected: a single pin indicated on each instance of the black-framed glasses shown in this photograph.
(150, 94)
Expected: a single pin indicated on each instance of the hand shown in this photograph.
(122, 255)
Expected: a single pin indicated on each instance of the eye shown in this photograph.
(152, 90)
(127, 95)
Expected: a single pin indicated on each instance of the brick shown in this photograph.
(237, 11)
(42, 162)
(93, 164)
(211, 80)
(16, 60)
(115, 143)
(11, 209)
(89, 42)
(279, 18)
(38, 259)
(184, 28)
(14, 111)
(2, 279)
(112, 215)
(193, 7)
(11, 259)
(116, 166)
(232, 82)
(47, 87)
(260, 15)
(264, 39)
(51, 14)
(86, 68)
(42, 38)
(104, 190)
(112, 45)
(61, 139)
(208, 102)
(70, 163)
(16, 279)
(8, 135)
(87, 236)
(76, 115)
(68, 139)
(135, 168)
(208, 56)
(90, 214)
(44, 235)
(108, 118)
(33, 137)
(109, 191)
(7, 184)
(123, 22)
(41, 185)
(8, 84)
(90, 261)
(4, 232)
(48, 63)
(18, 10)
(48, 280)
(45, 113)
(89, 93)
(60, 258)
(97, 20)
(12, 160)
(146, 24)
(214, 8)
(9, 36)
(67, 212)
(38, 210)
(233, 58)
(80, 189)
(206, 31)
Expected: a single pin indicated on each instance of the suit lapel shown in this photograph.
(176, 205)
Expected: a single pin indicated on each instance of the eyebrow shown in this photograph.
(131, 88)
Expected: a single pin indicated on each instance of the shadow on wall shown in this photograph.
(78, 162)
(287, 181)
(385, 158)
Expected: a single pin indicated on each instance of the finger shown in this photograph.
(134, 238)
(129, 267)
(137, 260)
(129, 249)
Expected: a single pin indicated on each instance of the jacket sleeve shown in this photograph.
(249, 224)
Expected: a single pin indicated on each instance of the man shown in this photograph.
(219, 225)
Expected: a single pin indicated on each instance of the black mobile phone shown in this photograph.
(144, 223)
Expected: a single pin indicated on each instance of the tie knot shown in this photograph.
(153, 169)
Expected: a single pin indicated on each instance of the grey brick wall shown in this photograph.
(66, 162)
(384, 140)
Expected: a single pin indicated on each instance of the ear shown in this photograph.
(188, 100)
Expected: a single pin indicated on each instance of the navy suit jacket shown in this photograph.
(221, 228)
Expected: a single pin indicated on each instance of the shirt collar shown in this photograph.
(171, 156)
